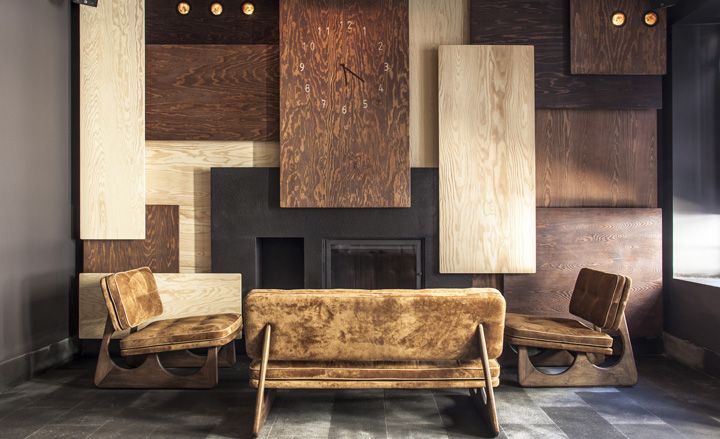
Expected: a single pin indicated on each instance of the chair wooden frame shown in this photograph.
(151, 372)
(583, 372)
(483, 398)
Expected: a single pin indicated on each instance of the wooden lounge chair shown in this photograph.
(598, 298)
(133, 300)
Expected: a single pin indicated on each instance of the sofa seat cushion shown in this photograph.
(374, 370)
(183, 333)
(555, 333)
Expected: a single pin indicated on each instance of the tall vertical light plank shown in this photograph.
(112, 120)
(432, 23)
(487, 159)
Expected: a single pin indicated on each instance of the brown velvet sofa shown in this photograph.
(358, 339)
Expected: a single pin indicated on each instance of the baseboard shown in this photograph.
(691, 355)
(23, 367)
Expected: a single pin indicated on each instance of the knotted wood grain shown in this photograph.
(622, 241)
(487, 159)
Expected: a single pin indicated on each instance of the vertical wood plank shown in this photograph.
(432, 23)
(112, 120)
(487, 159)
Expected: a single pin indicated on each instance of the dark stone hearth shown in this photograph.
(246, 206)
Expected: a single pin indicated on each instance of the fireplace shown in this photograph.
(372, 264)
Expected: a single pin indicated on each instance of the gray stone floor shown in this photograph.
(670, 401)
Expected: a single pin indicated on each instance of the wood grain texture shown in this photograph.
(596, 158)
(182, 295)
(487, 159)
(344, 143)
(159, 250)
(166, 26)
(432, 23)
(112, 120)
(179, 173)
(212, 92)
(623, 241)
(546, 25)
(597, 47)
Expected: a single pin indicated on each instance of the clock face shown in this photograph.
(344, 103)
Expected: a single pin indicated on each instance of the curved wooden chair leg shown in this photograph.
(582, 372)
(151, 374)
(189, 359)
(264, 400)
(484, 398)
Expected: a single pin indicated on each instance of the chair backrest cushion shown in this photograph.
(131, 297)
(381, 325)
(600, 297)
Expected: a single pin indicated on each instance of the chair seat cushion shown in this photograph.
(183, 333)
(554, 332)
(374, 370)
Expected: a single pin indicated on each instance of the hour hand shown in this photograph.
(345, 70)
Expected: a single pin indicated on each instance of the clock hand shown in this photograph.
(345, 69)
(355, 75)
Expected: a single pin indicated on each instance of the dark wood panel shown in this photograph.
(596, 158)
(164, 25)
(159, 250)
(545, 24)
(345, 130)
(212, 92)
(599, 47)
(624, 241)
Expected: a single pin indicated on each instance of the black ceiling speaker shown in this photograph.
(660, 4)
(92, 3)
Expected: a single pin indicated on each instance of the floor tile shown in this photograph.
(582, 422)
(300, 414)
(529, 431)
(64, 431)
(358, 414)
(617, 408)
(514, 406)
(461, 417)
(555, 397)
(648, 431)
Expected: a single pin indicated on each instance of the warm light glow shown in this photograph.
(183, 8)
(618, 19)
(651, 18)
(248, 8)
(216, 8)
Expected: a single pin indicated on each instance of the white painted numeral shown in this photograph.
(381, 88)
(324, 103)
(302, 67)
(307, 88)
(365, 103)
(381, 46)
(387, 67)
(344, 109)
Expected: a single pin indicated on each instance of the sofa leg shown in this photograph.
(486, 401)
(150, 374)
(582, 372)
(264, 400)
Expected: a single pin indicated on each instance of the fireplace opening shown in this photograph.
(280, 263)
(373, 264)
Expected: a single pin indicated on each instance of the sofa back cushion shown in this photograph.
(132, 298)
(600, 297)
(382, 325)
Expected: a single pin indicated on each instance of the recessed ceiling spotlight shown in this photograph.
(618, 19)
(183, 8)
(216, 8)
(248, 8)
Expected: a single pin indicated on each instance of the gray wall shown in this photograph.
(37, 253)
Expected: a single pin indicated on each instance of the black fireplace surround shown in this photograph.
(287, 248)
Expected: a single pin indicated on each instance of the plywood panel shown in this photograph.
(344, 103)
(159, 250)
(212, 92)
(623, 241)
(112, 120)
(596, 158)
(597, 47)
(432, 23)
(179, 173)
(166, 26)
(487, 159)
(546, 25)
(182, 295)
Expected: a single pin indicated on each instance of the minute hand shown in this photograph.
(353, 73)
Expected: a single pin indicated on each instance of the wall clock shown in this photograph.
(344, 103)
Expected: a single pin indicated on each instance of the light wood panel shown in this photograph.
(487, 159)
(183, 295)
(622, 241)
(179, 173)
(159, 250)
(597, 47)
(432, 23)
(596, 158)
(112, 120)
